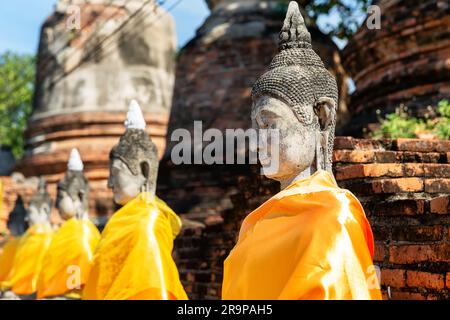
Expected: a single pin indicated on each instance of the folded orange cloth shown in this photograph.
(133, 260)
(310, 241)
(69, 259)
(29, 259)
(7, 258)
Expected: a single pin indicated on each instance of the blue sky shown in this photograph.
(20, 21)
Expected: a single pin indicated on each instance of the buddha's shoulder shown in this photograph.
(330, 203)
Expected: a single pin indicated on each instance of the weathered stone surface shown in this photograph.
(100, 69)
(406, 61)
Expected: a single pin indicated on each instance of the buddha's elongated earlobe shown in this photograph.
(319, 152)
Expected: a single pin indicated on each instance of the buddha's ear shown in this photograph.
(145, 169)
(325, 110)
(81, 194)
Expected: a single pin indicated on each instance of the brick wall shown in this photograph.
(404, 186)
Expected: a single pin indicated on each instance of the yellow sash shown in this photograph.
(68, 260)
(310, 241)
(28, 259)
(133, 260)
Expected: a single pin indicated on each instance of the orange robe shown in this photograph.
(7, 259)
(310, 241)
(69, 259)
(133, 260)
(28, 259)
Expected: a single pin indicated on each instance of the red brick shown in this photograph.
(417, 234)
(394, 170)
(385, 169)
(427, 280)
(437, 185)
(399, 207)
(408, 156)
(379, 252)
(440, 205)
(408, 254)
(353, 156)
(421, 145)
(350, 143)
(369, 170)
(387, 156)
(350, 172)
(341, 143)
(397, 185)
(393, 277)
(400, 295)
(436, 170)
(413, 169)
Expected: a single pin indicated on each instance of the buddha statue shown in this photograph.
(40, 206)
(17, 226)
(135, 250)
(68, 261)
(311, 240)
(73, 190)
(33, 245)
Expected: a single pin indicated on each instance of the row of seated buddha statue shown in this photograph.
(310, 241)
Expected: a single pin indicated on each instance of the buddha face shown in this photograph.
(296, 142)
(69, 206)
(124, 184)
(72, 196)
(38, 213)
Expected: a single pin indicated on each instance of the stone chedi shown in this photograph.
(133, 260)
(68, 260)
(312, 240)
(33, 245)
(405, 61)
(84, 78)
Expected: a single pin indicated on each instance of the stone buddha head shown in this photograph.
(133, 163)
(39, 207)
(73, 190)
(298, 97)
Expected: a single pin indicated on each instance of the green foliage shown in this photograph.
(401, 125)
(349, 13)
(397, 125)
(16, 94)
(443, 125)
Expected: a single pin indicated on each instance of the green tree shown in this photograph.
(348, 13)
(16, 95)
